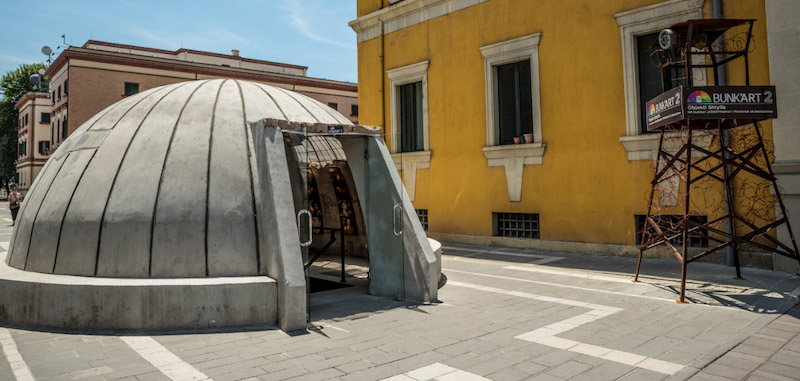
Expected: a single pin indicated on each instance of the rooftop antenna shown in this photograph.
(46, 50)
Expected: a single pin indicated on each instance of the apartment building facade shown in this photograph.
(456, 83)
(84, 80)
(34, 136)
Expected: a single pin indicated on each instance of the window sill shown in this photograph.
(417, 157)
(513, 158)
(531, 153)
(409, 162)
(644, 147)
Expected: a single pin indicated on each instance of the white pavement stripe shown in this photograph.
(566, 286)
(475, 252)
(547, 334)
(15, 360)
(572, 274)
(337, 328)
(164, 360)
(4, 245)
(437, 371)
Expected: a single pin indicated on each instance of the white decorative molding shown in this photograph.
(645, 147)
(513, 158)
(405, 14)
(518, 49)
(409, 162)
(640, 147)
(788, 174)
(637, 22)
(417, 72)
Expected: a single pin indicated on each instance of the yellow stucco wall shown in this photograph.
(586, 190)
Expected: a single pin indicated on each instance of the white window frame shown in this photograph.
(638, 22)
(506, 52)
(513, 156)
(417, 72)
(409, 162)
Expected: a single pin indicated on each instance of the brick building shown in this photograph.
(33, 137)
(84, 80)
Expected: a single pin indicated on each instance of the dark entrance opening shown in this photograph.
(335, 254)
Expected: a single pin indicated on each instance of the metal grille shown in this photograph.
(423, 217)
(520, 225)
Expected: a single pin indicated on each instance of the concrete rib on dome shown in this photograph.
(158, 185)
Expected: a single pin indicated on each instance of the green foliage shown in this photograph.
(12, 86)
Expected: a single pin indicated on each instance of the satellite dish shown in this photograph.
(46, 50)
(41, 71)
(34, 79)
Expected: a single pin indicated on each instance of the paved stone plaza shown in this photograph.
(505, 314)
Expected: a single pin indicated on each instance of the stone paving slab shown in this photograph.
(586, 319)
(773, 352)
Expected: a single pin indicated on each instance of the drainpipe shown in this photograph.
(383, 82)
(730, 253)
(33, 138)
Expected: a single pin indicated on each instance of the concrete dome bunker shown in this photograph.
(173, 209)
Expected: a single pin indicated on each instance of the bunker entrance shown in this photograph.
(349, 215)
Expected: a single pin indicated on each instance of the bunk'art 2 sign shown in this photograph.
(711, 102)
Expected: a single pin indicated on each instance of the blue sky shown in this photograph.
(312, 33)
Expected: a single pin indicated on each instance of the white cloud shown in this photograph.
(302, 17)
(161, 41)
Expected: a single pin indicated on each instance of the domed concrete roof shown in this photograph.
(158, 185)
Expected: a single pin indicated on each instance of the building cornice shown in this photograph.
(29, 96)
(659, 10)
(194, 68)
(184, 50)
(404, 14)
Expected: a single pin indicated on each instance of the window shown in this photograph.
(517, 225)
(697, 238)
(131, 88)
(409, 107)
(66, 86)
(511, 75)
(633, 24)
(53, 98)
(58, 130)
(411, 134)
(515, 112)
(333, 105)
(52, 133)
(512, 90)
(422, 214)
(26, 119)
(354, 110)
(45, 117)
(650, 84)
(64, 129)
(44, 145)
(409, 142)
(59, 93)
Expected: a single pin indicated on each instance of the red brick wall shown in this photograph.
(344, 102)
(92, 90)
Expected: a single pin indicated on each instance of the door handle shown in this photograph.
(395, 209)
(310, 235)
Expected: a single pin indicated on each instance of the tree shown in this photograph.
(14, 84)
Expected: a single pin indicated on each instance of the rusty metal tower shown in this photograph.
(684, 111)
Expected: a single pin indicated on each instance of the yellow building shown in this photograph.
(453, 82)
